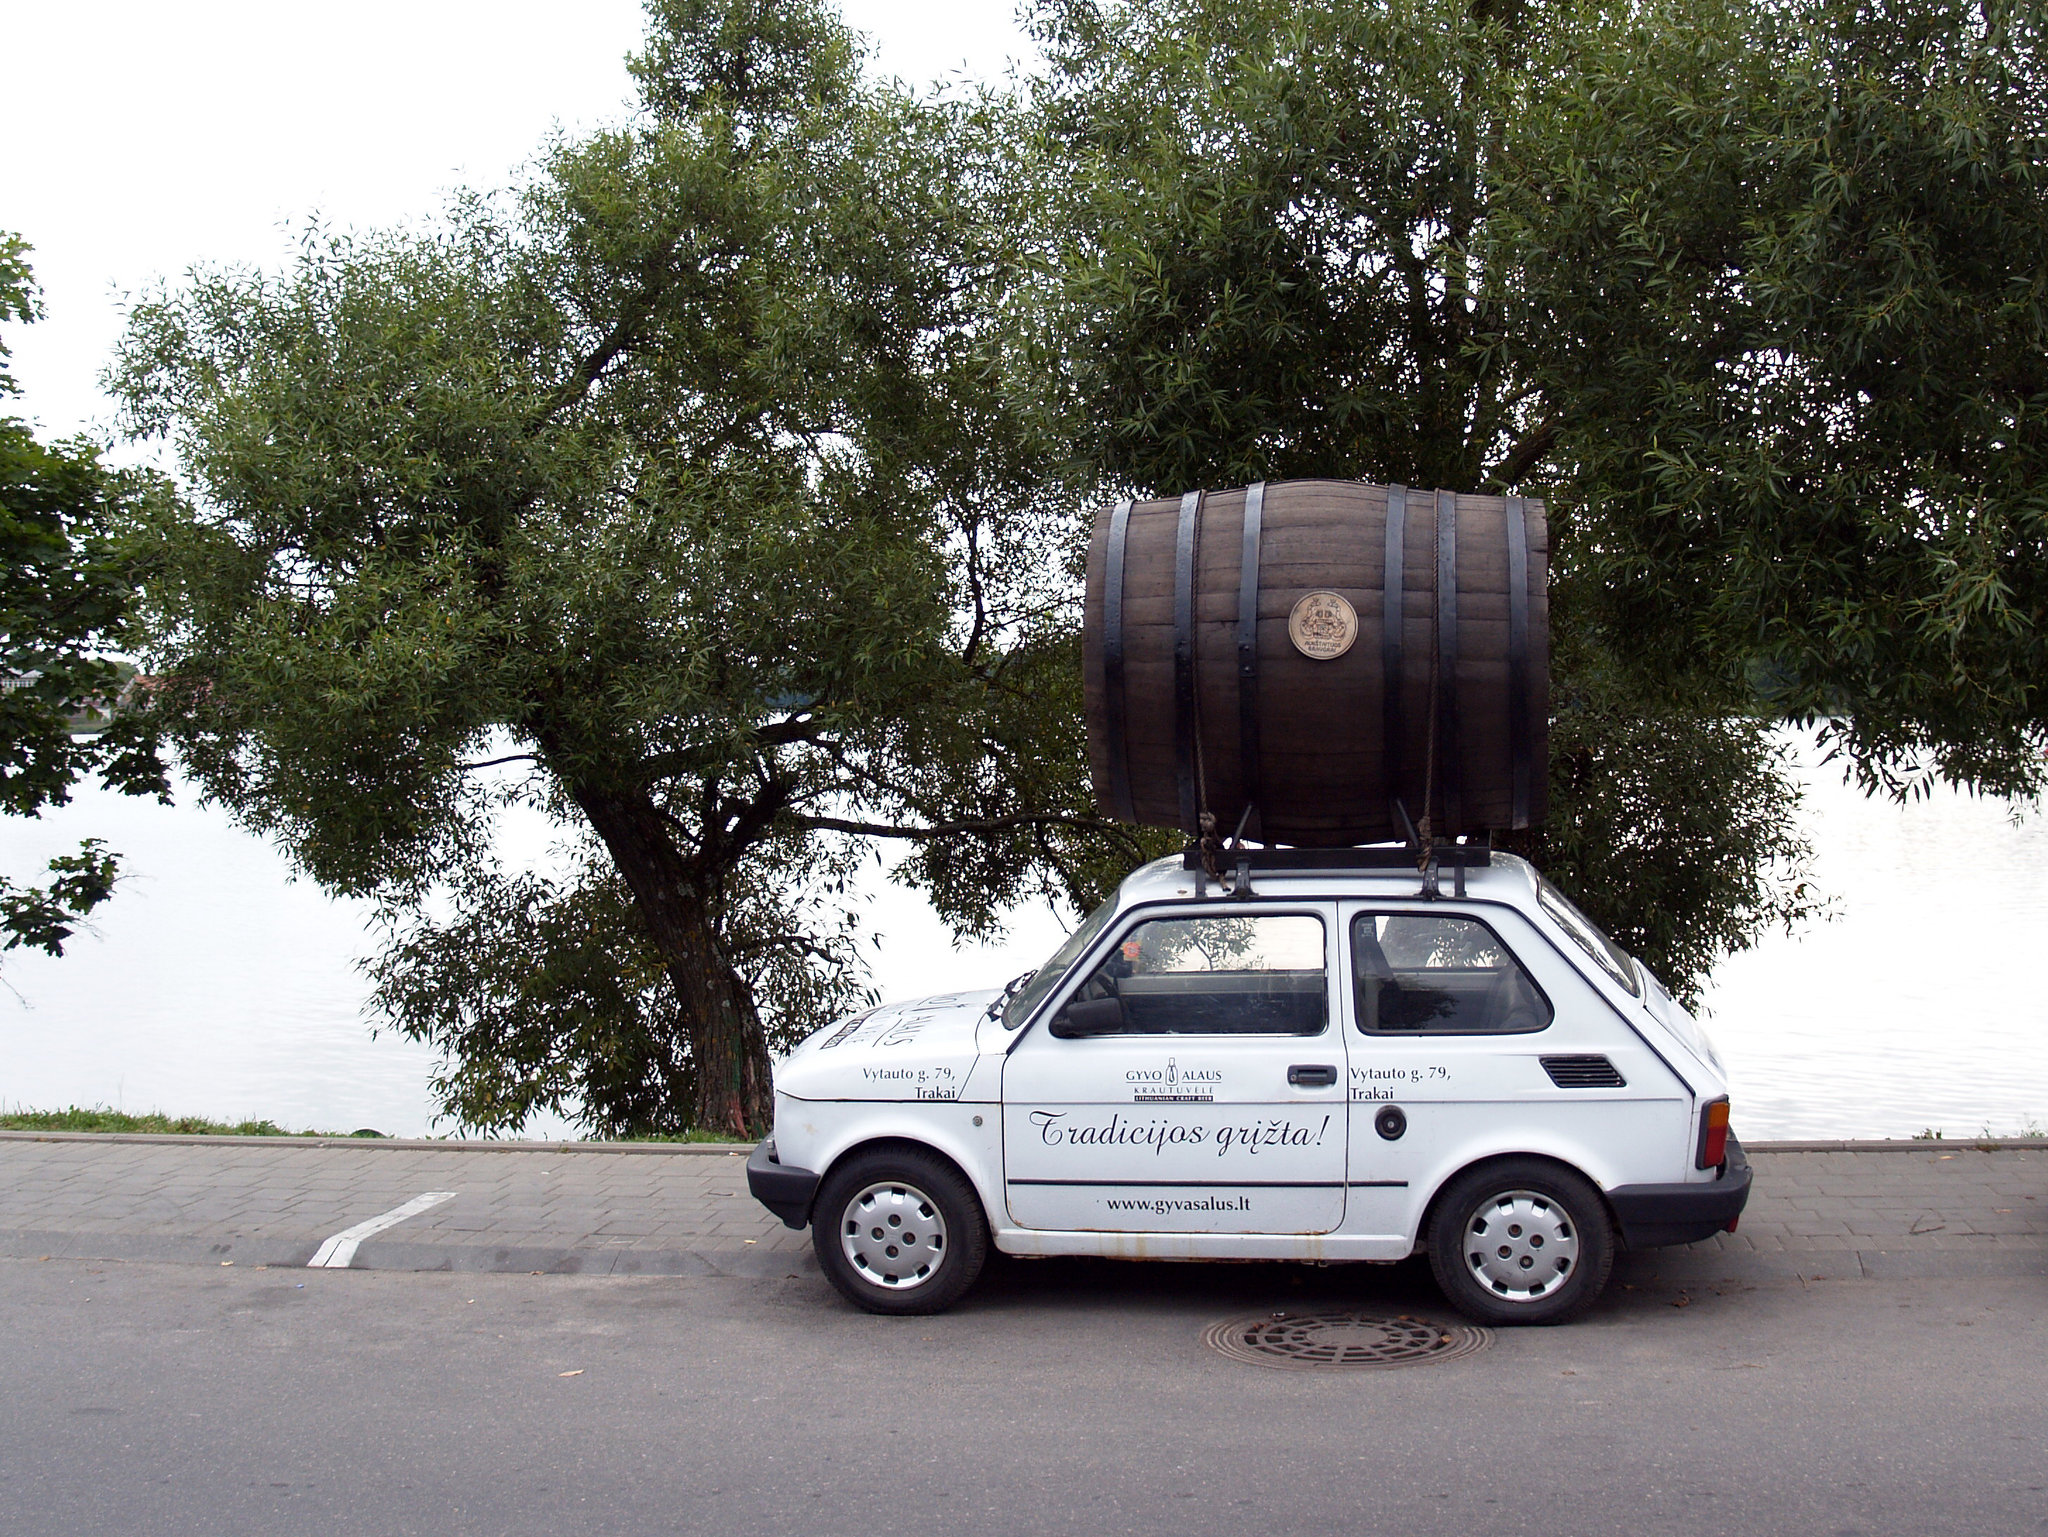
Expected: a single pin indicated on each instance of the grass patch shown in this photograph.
(99, 1118)
(2031, 1129)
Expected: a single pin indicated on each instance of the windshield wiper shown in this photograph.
(1010, 990)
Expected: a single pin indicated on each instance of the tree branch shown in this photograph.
(753, 820)
(1525, 455)
(688, 760)
(624, 332)
(807, 728)
(804, 944)
(974, 589)
(949, 829)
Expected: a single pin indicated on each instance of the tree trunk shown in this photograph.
(727, 1045)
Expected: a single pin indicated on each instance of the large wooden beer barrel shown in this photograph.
(1238, 654)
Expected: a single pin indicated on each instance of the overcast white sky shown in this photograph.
(144, 136)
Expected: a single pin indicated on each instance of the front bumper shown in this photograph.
(1654, 1215)
(786, 1191)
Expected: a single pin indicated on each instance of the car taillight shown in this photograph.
(1714, 1135)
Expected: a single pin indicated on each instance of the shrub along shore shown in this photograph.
(99, 1118)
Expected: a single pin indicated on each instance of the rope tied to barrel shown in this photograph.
(1211, 848)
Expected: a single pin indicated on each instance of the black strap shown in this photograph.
(1185, 735)
(1393, 609)
(1115, 744)
(1521, 750)
(1248, 645)
(1447, 661)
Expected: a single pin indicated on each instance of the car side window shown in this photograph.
(1439, 974)
(1246, 974)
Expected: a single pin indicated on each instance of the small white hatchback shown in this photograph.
(1330, 1061)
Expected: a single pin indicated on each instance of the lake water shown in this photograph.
(215, 985)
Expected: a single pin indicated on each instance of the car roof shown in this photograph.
(1505, 878)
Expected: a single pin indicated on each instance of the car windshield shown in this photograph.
(1047, 977)
(1606, 954)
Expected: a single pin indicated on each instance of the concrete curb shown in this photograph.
(472, 1259)
(399, 1144)
(163, 1248)
(1684, 1267)
(750, 1264)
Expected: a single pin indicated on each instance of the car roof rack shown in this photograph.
(1372, 856)
(1207, 857)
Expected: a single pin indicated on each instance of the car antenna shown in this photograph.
(1425, 858)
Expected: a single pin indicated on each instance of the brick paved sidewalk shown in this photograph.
(1837, 1209)
(660, 1209)
(1884, 1209)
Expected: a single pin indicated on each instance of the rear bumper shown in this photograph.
(1653, 1215)
(786, 1191)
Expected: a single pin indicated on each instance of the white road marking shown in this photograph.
(339, 1252)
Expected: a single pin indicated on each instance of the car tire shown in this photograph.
(899, 1231)
(1521, 1241)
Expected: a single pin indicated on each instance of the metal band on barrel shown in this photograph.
(1393, 609)
(1184, 743)
(1448, 735)
(1248, 646)
(1115, 744)
(1520, 749)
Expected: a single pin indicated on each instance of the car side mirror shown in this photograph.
(1093, 1016)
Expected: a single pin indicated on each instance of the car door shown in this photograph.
(1191, 1081)
(1468, 1032)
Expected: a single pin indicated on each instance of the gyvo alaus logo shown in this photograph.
(1173, 1084)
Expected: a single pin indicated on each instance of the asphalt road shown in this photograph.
(1061, 1397)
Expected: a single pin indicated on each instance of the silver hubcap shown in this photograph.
(892, 1234)
(1520, 1245)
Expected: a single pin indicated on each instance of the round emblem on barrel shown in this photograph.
(1323, 625)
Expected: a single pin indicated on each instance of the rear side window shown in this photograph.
(1609, 956)
(1439, 974)
(1241, 975)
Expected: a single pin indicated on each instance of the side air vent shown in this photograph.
(1583, 1073)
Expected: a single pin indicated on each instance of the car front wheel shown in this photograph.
(899, 1232)
(1521, 1241)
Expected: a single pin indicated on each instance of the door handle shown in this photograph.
(1311, 1075)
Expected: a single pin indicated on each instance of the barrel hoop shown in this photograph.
(1521, 750)
(1449, 739)
(1115, 743)
(1393, 610)
(1186, 745)
(1248, 645)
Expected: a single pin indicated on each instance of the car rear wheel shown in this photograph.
(899, 1231)
(1521, 1241)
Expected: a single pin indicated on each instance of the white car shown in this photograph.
(1324, 1063)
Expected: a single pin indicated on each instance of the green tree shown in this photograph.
(63, 599)
(1784, 273)
(1753, 295)
(684, 484)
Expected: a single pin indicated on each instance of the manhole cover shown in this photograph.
(1336, 1338)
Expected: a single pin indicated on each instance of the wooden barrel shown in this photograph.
(1238, 654)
